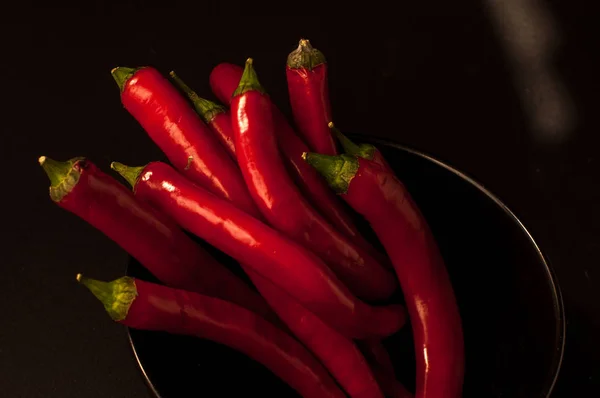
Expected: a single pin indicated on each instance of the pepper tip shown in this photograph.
(249, 61)
(304, 155)
(79, 277)
(330, 125)
(304, 43)
(42, 160)
(172, 74)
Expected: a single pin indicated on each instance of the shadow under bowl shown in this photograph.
(509, 301)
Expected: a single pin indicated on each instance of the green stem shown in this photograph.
(205, 108)
(116, 296)
(338, 171)
(365, 151)
(63, 176)
(249, 80)
(305, 56)
(121, 74)
(129, 173)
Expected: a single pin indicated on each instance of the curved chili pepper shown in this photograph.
(336, 352)
(214, 115)
(148, 306)
(178, 131)
(365, 151)
(282, 204)
(378, 195)
(224, 80)
(306, 73)
(295, 269)
(156, 242)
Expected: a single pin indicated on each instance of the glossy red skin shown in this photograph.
(282, 204)
(337, 353)
(309, 97)
(176, 128)
(224, 79)
(295, 269)
(176, 311)
(221, 126)
(384, 201)
(155, 241)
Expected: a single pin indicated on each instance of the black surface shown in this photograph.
(447, 78)
(511, 308)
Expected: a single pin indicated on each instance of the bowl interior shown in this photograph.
(509, 302)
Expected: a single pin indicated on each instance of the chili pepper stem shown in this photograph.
(249, 80)
(62, 175)
(56, 171)
(121, 74)
(305, 56)
(205, 108)
(116, 296)
(365, 151)
(130, 174)
(338, 171)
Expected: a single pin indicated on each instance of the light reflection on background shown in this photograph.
(530, 36)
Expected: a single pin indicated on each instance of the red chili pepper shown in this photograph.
(295, 269)
(178, 131)
(378, 195)
(148, 306)
(365, 151)
(282, 204)
(156, 242)
(214, 115)
(336, 352)
(224, 80)
(306, 73)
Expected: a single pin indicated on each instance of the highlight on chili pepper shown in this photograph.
(378, 195)
(256, 245)
(283, 205)
(148, 306)
(78, 186)
(318, 299)
(179, 132)
(214, 115)
(306, 73)
(224, 80)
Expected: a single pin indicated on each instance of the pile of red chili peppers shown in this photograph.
(263, 191)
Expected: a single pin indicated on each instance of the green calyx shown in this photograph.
(121, 74)
(338, 171)
(63, 176)
(305, 56)
(249, 81)
(116, 296)
(365, 151)
(129, 173)
(205, 108)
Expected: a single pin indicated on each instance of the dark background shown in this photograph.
(504, 91)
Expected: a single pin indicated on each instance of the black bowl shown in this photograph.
(509, 301)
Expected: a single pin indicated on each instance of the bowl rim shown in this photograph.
(551, 275)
